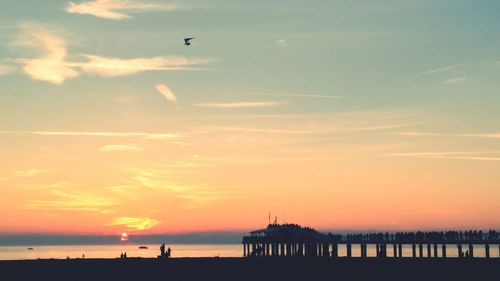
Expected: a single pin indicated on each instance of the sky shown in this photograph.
(339, 115)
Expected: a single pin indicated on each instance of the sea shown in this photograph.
(187, 250)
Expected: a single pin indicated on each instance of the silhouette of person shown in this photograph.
(169, 251)
(125, 255)
(162, 250)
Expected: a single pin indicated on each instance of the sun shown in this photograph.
(124, 236)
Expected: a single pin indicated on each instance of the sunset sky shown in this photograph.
(347, 115)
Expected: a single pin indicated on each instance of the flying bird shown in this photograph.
(186, 41)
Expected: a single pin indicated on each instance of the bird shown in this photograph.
(186, 41)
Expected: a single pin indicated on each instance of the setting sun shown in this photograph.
(124, 237)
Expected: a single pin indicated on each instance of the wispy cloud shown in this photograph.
(323, 130)
(120, 147)
(6, 69)
(166, 92)
(150, 136)
(281, 43)
(243, 104)
(29, 173)
(455, 80)
(453, 155)
(192, 196)
(298, 95)
(53, 66)
(50, 65)
(78, 201)
(426, 134)
(113, 67)
(443, 69)
(135, 223)
(114, 9)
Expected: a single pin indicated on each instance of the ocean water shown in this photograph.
(190, 250)
(114, 251)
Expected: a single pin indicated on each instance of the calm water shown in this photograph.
(185, 250)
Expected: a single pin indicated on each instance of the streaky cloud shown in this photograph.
(166, 92)
(135, 223)
(120, 147)
(72, 201)
(455, 80)
(426, 134)
(243, 104)
(113, 67)
(114, 9)
(150, 136)
(443, 69)
(298, 95)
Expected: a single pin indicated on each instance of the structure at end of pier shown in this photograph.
(286, 240)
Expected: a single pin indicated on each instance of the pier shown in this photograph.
(286, 240)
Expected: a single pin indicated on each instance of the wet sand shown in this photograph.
(235, 269)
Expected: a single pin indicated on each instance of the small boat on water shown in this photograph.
(30, 249)
(143, 247)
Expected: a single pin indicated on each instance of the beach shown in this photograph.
(278, 268)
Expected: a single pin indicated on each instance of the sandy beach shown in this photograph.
(251, 269)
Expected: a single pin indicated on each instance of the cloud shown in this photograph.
(120, 147)
(29, 173)
(113, 9)
(425, 134)
(297, 95)
(244, 104)
(6, 69)
(52, 64)
(281, 43)
(78, 201)
(113, 67)
(166, 92)
(192, 196)
(134, 223)
(149, 136)
(443, 69)
(455, 80)
(455, 155)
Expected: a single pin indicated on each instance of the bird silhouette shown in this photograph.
(186, 41)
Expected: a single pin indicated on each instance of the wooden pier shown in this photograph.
(294, 240)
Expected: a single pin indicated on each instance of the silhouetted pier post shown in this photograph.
(487, 250)
(400, 250)
(383, 249)
(244, 250)
(395, 250)
(377, 248)
(414, 250)
(435, 250)
(349, 250)
(471, 251)
(421, 250)
(443, 248)
(363, 250)
(460, 252)
(429, 250)
(326, 250)
(335, 250)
